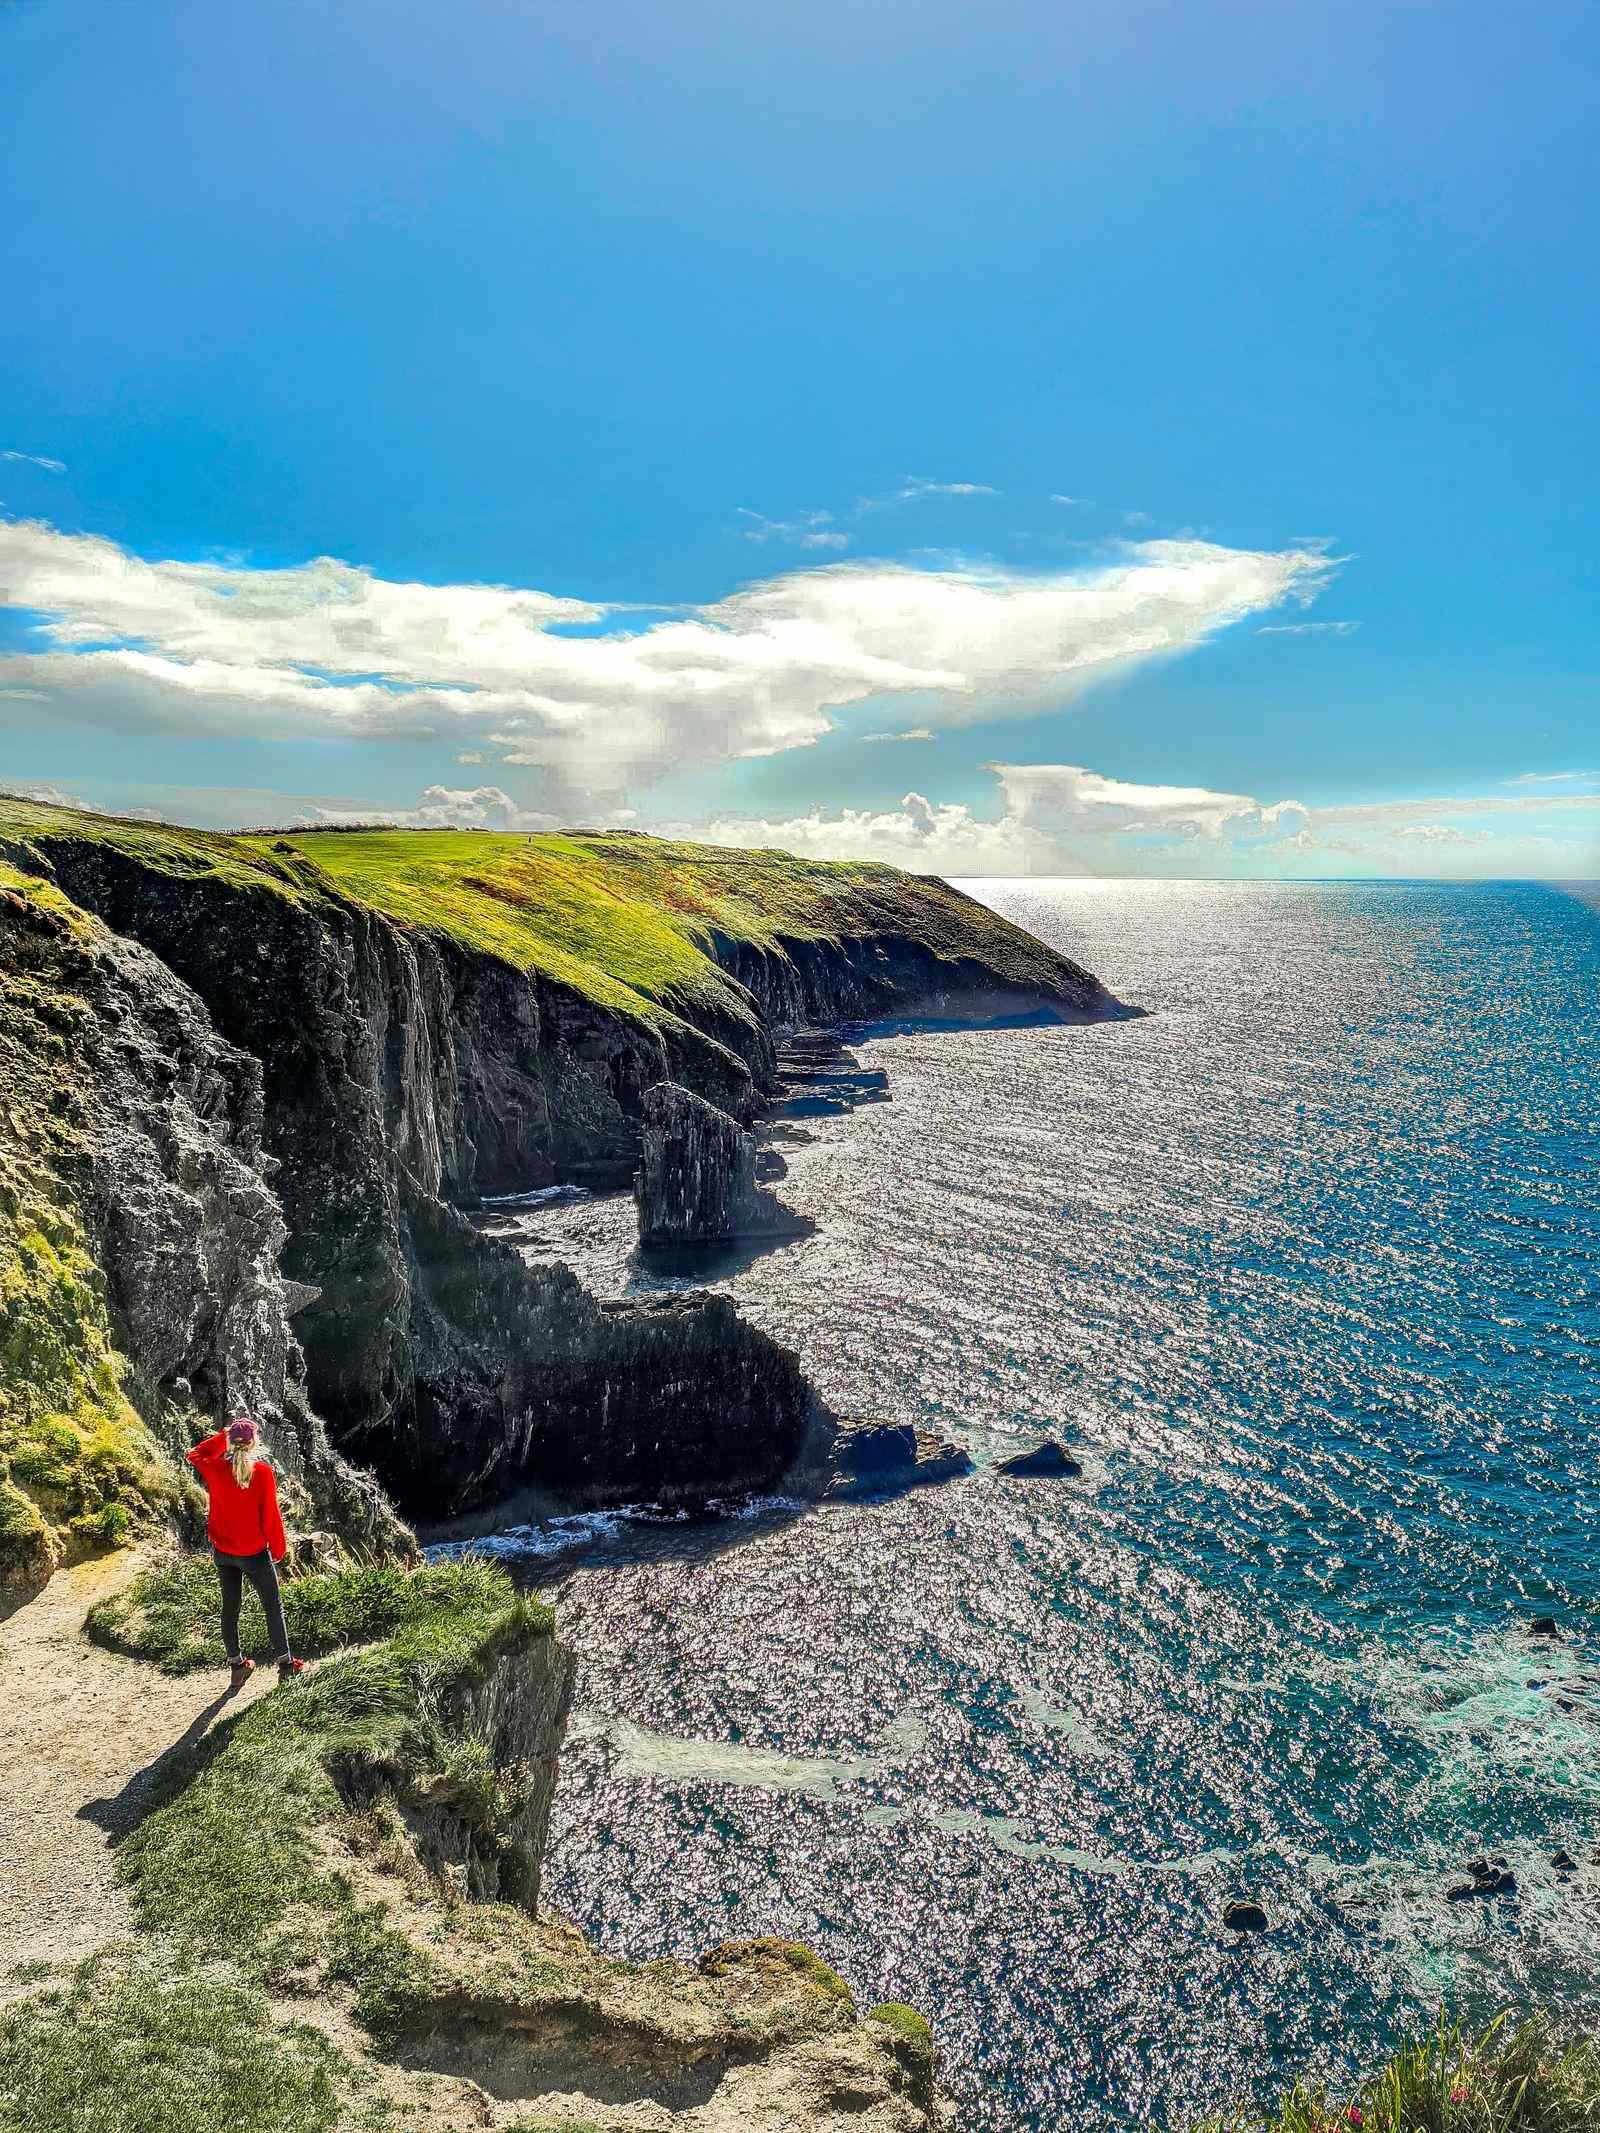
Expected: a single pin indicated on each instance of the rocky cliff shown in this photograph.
(408, 1022)
(140, 1291)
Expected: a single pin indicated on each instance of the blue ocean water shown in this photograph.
(1305, 1266)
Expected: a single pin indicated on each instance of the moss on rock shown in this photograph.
(79, 1470)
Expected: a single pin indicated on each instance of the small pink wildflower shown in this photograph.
(1353, 2115)
(1458, 2095)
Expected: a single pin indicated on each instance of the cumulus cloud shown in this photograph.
(442, 807)
(46, 795)
(1061, 818)
(35, 459)
(1061, 798)
(327, 649)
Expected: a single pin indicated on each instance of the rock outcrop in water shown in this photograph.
(697, 1176)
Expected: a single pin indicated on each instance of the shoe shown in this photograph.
(242, 1669)
(288, 1668)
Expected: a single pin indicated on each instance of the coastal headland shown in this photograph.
(256, 1088)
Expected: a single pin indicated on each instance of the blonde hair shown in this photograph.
(242, 1458)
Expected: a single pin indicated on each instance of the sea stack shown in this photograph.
(697, 1176)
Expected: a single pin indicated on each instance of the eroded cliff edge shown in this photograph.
(418, 1019)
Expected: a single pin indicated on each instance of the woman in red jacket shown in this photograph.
(245, 1530)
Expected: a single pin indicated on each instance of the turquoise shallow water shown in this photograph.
(1306, 1265)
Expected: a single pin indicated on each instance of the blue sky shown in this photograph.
(751, 352)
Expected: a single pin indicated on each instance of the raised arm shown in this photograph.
(209, 1450)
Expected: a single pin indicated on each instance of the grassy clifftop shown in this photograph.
(627, 921)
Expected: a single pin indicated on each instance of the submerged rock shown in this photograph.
(697, 1177)
(1544, 1626)
(1490, 1877)
(892, 1456)
(1245, 1917)
(1046, 1461)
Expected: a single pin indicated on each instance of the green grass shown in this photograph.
(169, 1615)
(626, 921)
(232, 1849)
(125, 2045)
(789, 1954)
(1509, 2078)
(910, 2027)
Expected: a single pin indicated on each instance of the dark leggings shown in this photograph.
(233, 1570)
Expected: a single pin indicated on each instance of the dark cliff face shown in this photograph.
(797, 981)
(527, 1377)
(165, 1165)
(396, 1073)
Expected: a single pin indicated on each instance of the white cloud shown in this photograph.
(1136, 518)
(441, 807)
(812, 529)
(35, 459)
(1058, 818)
(1069, 499)
(916, 486)
(1061, 799)
(912, 733)
(1308, 629)
(327, 649)
(46, 795)
(1437, 833)
(1556, 777)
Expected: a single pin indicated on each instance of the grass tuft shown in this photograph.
(1509, 2078)
(169, 1615)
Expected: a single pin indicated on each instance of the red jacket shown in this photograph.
(240, 1521)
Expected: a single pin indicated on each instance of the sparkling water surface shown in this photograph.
(1305, 1267)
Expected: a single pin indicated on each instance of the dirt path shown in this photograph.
(82, 1736)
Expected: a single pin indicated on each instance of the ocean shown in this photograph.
(1304, 1268)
